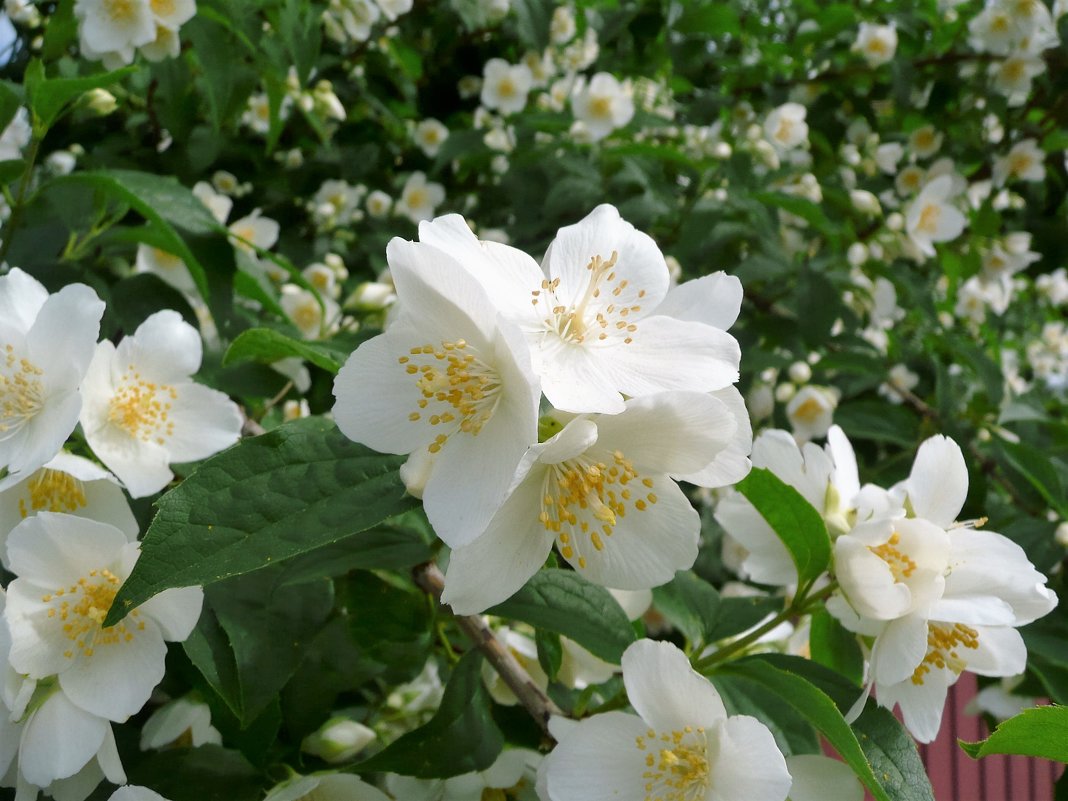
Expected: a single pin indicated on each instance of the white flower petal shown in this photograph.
(599, 761)
(712, 299)
(748, 764)
(205, 422)
(899, 649)
(732, 464)
(665, 691)
(21, 298)
(937, 486)
(59, 739)
(175, 611)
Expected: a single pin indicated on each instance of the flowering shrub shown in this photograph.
(528, 400)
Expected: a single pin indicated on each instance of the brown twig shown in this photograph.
(533, 698)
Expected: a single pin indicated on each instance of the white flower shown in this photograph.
(888, 155)
(168, 267)
(876, 43)
(69, 570)
(133, 792)
(115, 26)
(312, 319)
(430, 135)
(378, 204)
(142, 410)
(562, 27)
(681, 744)
(930, 218)
(448, 377)
(505, 86)
(1012, 77)
(925, 141)
(183, 721)
(811, 411)
(68, 484)
(598, 315)
(601, 489)
(825, 477)
(1025, 162)
(602, 105)
(46, 343)
(352, 18)
(525, 652)
(785, 127)
(419, 198)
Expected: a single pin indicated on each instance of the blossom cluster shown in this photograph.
(637, 378)
(929, 597)
(67, 533)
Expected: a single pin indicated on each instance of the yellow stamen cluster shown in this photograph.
(142, 408)
(677, 764)
(929, 217)
(21, 392)
(464, 389)
(601, 108)
(901, 564)
(582, 498)
(53, 491)
(1019, 163)
(82, 607)
(120, 11)
(162, 8)
(589, 315)
(810, 410)
(943, 641)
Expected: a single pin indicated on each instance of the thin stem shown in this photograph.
(533, 698)
(801, 604)
(20, 198)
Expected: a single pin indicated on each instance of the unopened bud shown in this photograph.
(338, 740)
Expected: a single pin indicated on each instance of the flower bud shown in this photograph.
(338, 740)
(101, 101)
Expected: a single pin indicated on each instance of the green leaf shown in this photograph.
(136, 298)
(207, 773)
(268, 498)
(794, 520)
(1038, 470)
(10, 100)
(48, 97)
(736, 615)
(799, 207)
(878, 421)
(267, 345)
(460, 738)
(550, 652)
(690, 604)
(391, 624)
(708, 19)
(792, 731)
(267, 627)
(565, 603)
(834, 646)
(164, 202)
(1039, 732)
(887, 746)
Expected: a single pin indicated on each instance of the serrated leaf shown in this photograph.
(565, 603)
(460, 738)
(267, 345)
(690, 604)
(267, 628)
(794, 520)
(269, 498)
(1039, 732)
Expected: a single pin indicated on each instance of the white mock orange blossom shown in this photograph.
(143, 411)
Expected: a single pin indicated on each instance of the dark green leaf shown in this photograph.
(267, 345)
(834, 646)
(1037, 469)
(794, 520)
(1038, 732)
(390, 623)
(793, 733)
(736, 615)
(565, 603)
(47, 97)
(690, 604)
(460, 738)
(292, 490)
(10, 101)
(207, 773)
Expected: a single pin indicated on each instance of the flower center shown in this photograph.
(506, 88)
(1013, 71)
(1019, 163)
(784, 131)
(677, 764)
(82, 607)
(929, 218)
(900, 564)
(119, 11)
(809, 411)
(590, 315)
(464, 389)
(142, 408)
(417, 198)
(163, 8)
(943, 640)
(584, 499)
(53, 491)
(22, 394)
(601, 107)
